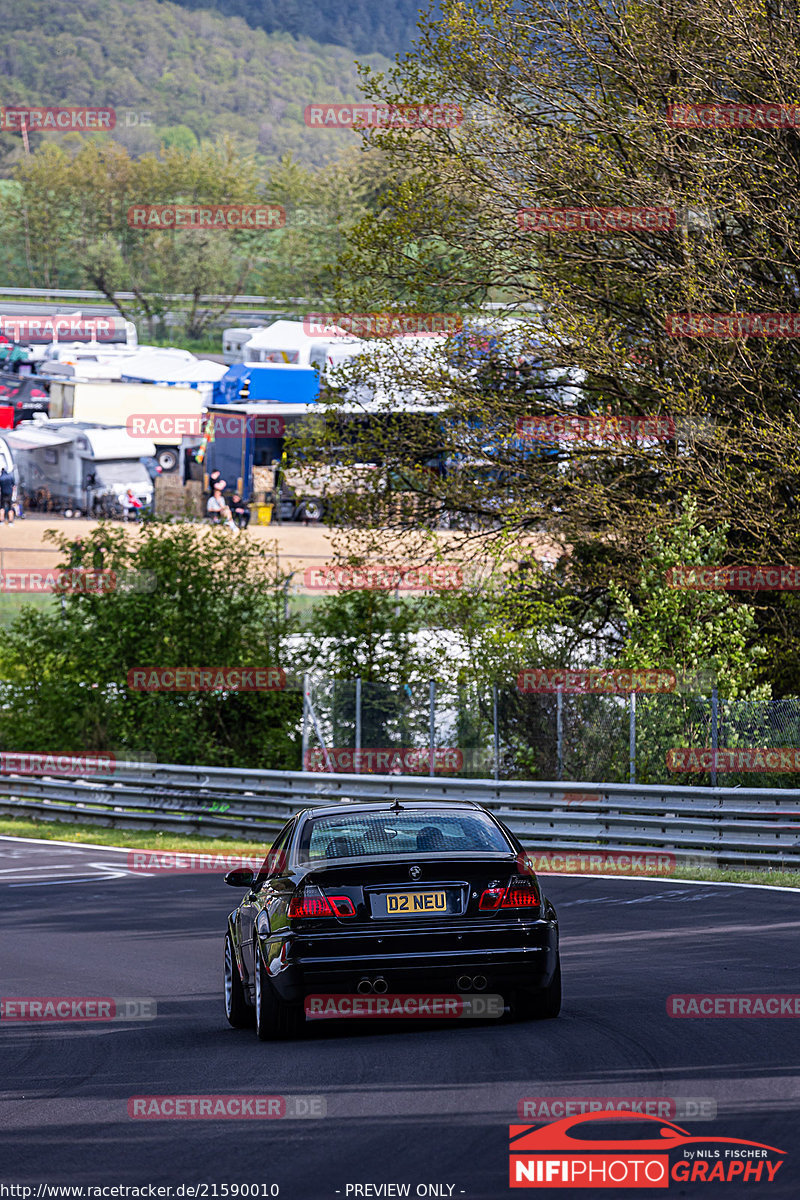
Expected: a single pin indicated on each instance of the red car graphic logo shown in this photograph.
(574, 1152)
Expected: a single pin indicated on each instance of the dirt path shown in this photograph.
(23, 547)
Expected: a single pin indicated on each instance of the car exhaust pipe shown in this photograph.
(364, 986)
(479, 983)
(463, 983)
(380, 985)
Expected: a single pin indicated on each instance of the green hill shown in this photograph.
(173, 74)
(361, 25)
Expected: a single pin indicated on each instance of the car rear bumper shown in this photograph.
(505, 960)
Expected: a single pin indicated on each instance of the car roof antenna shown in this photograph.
(397, 806)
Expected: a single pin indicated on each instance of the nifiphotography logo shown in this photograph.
(621, 1149)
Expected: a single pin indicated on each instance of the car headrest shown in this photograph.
(430, 838)
(341, 847)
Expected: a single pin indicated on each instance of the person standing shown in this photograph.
(130, 504)
(7, 496)
(240, 511)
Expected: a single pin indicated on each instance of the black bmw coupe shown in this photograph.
(367, 898)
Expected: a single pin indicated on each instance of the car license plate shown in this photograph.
(398, 903)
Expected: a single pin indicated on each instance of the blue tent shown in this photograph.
(280, 383)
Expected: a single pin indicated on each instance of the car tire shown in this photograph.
(311, 510)
(237, 1010)
(544, 1004)
(274, 1019)
(167, 459)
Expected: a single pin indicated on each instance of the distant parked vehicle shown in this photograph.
(80, 468)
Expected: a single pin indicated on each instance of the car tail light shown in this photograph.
(310, 906)
(524, 896)
(491, 899)
(518, 894)
(343, 906)
(315, 904)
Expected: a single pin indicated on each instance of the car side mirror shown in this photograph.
(242, 877)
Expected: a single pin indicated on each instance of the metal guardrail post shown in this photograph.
(632, 738)
(306, 686)
(560, 734)
(432, 727)
(358, 727)
(496, 733)
(714, 734)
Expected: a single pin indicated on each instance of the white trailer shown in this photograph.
(79, 467)
(110, 403)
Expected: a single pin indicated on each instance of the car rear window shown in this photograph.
(354, 836)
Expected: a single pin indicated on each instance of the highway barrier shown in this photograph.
(567, 825)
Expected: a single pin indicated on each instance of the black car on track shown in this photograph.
(358, 898)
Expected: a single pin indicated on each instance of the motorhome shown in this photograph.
(235, 340)
(80, 467)
(42, 330)
(292, 343)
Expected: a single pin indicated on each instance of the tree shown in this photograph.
(707, 637)
(572, 109)
(180, 597)
(76, 207)
(367, 634)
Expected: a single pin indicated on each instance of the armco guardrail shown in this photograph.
(711, 825)
(79, 294)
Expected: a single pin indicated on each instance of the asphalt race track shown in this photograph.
(419, 1103)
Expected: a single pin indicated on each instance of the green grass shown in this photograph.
(12, 605)
(775, 877)
(134, 839)
(153, 840)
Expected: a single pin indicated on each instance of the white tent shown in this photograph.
(291, 342)
(205, 370)
(170, 366)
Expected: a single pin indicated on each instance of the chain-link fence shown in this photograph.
(500, 732)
